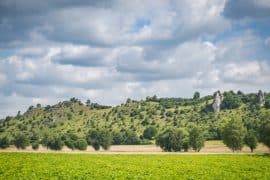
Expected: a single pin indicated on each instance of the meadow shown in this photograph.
(94, 166)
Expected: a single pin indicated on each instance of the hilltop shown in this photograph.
(127, 122)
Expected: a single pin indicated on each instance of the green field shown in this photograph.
(85, 166)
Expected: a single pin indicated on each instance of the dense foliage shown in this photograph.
(172, 140)
(233, 134)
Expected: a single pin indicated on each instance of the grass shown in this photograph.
(86, 166)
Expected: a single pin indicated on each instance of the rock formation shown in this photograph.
(261, 98)
(217, 101)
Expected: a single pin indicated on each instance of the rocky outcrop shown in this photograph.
(217, 101)
(261, 98)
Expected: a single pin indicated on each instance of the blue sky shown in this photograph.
(111, 50)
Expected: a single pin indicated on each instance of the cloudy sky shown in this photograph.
(109, 50)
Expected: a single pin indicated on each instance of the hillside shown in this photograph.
(133, 117)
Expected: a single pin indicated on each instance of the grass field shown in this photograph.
(91, 166)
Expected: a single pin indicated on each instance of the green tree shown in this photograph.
(4, 142)
(81, 144)
(98, 138)
(105, 139)
(131, 138)
(172, 139)
(35, 145)
(149, 132)
(196, 95)
(55, 143)
(117, 138)
(265, 133)
(251, 140)
(233, 134)
(21, 141)
(196, 138)
(231, 100)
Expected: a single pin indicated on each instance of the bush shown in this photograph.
(149, 132)
(172, 140)
(21, 141)
(4, 142)
(81, 144)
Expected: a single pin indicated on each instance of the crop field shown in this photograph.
(93, 166)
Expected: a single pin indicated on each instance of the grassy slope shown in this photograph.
(78, 166)
(78, 118)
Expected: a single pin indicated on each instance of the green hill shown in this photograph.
(73, 117)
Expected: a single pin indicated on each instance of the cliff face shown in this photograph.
(261, 98)
(217, 101)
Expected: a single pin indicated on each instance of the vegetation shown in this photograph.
(172, 139)
(72, 123)
(233, 134)
(99, 138)
(265, 133)
(21, 141)
(78, 166)
(251, 140)
(150, 132)
(196, 138)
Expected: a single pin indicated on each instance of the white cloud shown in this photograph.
(111, 50)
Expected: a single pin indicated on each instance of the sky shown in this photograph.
(111, 50)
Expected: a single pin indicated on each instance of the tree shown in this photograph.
(149, 132)
(21, 141)
(35, 145)
(70, 139)
(88, 103)
(196, 95)
(231, 100)
(233, 134)
(196, 138)
(117, 138)
(81, 144)
(251, 140)
(55, 143)
(105, 139)
(98, 138)
(172, 139)
(131, 137)
(4, 142)
(265, 133)
(267, 103)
